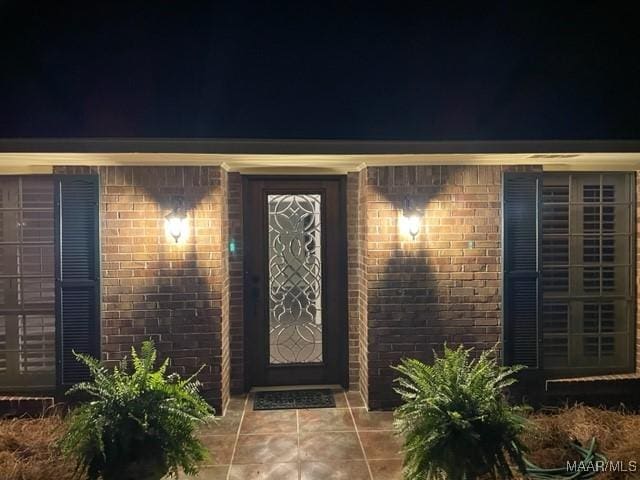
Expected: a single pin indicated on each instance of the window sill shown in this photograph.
(574, 381)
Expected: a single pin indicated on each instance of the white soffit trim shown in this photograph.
(311, 156)
(22, 162)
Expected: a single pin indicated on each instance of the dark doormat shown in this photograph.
(282, 399)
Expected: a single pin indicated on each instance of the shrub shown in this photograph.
(456, 422)
(139, 424)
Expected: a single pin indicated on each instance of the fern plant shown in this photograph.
(456, 423)
(139, 423)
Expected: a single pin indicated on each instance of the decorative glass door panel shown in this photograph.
(295, 258)
(295, 279)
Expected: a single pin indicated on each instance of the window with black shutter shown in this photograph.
(77, 273)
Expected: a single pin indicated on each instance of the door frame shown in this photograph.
(250, 322)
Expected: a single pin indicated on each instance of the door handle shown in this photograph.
(255, 292)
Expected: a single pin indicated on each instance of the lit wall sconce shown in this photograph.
(411, 216)
(176, 221)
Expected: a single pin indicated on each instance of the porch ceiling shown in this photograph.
(312, 156)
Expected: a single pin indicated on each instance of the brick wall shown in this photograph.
(236, 277)
(442, 286)
(406, 297)
(176, 294)
(222, 280)
(362, 281)
(354, 274)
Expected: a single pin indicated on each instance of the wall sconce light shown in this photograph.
(410, 218)
(176, 221)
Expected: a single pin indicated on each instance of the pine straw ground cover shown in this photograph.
(617, 434)
(27, 450)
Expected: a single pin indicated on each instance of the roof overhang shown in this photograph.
(312, 156)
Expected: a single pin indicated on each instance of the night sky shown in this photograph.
(441, 71)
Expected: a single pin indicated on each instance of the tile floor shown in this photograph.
(345, 442)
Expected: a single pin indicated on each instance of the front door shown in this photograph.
(295, 281)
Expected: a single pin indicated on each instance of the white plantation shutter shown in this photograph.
(588, 265)
(27, 320)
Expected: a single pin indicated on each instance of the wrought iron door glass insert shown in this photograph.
(295, 283)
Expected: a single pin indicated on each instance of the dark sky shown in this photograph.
(425, 71)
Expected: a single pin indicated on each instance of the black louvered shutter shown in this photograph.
(522, 279)
(77, 273)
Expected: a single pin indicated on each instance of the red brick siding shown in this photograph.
(236, 278)
(153, 288)
(442, 286)
(225, 281)
(362, 281)
(354, 274)
(406, 297)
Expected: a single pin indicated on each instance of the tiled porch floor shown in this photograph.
(346, 442)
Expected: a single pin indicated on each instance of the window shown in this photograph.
(27, 298)
(587, 284)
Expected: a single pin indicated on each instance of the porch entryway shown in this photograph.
(308, 444)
